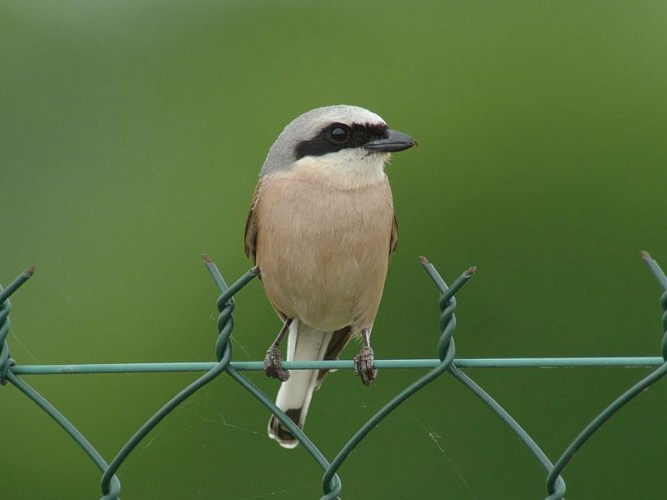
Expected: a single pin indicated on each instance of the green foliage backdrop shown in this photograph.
(130, 141)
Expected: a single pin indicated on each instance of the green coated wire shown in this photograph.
(588, 431)
(132, 443)
(226, 305)
(380, 415)
(656, 270)
(6, 374)
(16, 284)
(5, 361)
(621, 401)
(331, 482)
(448, 343)
(662, 281)
(252, 388)
(66, 425)
(405, 364)
(513, 424)
(447, 326)
(308, 445)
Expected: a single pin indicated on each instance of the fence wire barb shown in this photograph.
(331, 482)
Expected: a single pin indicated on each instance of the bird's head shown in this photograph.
(341, 140)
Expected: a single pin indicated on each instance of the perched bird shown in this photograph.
(321, 231)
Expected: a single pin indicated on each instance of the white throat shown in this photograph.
(345, 169)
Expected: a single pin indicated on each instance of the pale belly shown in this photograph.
(323, 253)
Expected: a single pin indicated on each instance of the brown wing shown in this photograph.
(393, 242)
(251, 226)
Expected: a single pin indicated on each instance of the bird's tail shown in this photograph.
(303, 344)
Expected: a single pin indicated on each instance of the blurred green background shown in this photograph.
(131, 137)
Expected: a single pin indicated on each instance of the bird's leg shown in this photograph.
(273, 360)
(363, 362)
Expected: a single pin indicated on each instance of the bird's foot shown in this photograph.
(273, 364)
(363, 365)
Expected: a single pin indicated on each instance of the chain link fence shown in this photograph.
(10, 372)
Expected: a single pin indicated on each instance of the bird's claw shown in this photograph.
(363, 366)
(273, 364)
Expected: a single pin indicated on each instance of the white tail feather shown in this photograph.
(304, 343)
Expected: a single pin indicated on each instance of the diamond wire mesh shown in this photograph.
(331, 482)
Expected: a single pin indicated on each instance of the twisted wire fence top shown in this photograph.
(331, 483)
(5, 361)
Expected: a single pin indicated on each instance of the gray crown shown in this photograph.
(308, 125)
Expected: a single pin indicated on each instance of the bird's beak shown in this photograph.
(395, 141)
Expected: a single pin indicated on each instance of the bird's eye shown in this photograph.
(339, 133)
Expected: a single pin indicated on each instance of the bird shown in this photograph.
(321, 231)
